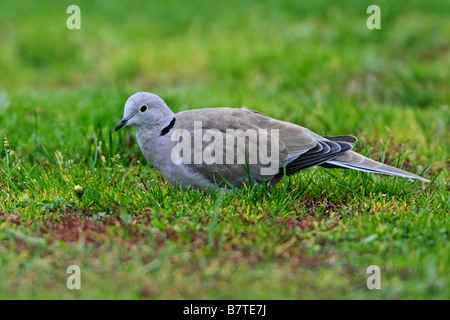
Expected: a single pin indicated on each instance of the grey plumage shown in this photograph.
(298, 148)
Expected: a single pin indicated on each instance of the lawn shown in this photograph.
(134, 236)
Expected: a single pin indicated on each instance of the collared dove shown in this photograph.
(201, 159)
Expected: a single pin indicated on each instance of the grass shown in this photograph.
(134, 236)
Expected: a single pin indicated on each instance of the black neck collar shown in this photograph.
(167, 129)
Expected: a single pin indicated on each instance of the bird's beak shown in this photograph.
(122, 123)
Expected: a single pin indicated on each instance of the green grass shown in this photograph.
(135, 236)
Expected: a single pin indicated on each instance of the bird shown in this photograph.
(225, 148)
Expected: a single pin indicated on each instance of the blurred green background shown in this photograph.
(233, 44)
(314, 63)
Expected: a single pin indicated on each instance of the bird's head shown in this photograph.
(145, 110)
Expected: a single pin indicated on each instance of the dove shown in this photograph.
(227, 147)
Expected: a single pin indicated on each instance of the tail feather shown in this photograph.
(353, 160)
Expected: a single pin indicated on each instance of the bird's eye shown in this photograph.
(143, 108)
